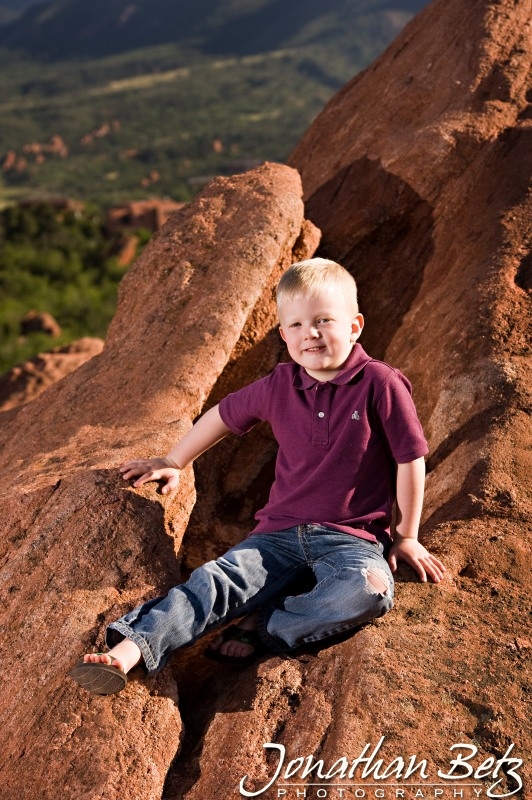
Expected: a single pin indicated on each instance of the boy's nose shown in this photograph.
(313, 332)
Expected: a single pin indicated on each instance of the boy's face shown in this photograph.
(319, 331)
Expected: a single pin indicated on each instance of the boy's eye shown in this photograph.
(324, 319)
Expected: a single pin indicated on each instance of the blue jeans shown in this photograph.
(353, 584)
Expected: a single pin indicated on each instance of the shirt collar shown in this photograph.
(356, 360)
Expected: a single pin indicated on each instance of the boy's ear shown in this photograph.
(283, 337)
(356, 327)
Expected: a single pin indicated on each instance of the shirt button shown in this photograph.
(321, 414)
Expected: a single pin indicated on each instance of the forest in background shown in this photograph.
(105, 106)
(62, 260)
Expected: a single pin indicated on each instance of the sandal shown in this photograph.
(97, 678)
(236, 634)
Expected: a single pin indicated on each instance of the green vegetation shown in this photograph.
(168, 125)
(55, 260)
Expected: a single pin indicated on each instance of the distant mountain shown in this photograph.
(18, 6)
(6, 15)
(11, 9)
(65, 29)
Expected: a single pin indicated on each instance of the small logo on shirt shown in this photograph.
(356, 415)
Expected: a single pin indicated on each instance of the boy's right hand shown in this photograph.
(152, 469)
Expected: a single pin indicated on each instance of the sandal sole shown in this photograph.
(102, 679)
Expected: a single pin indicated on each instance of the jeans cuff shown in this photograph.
(117, 631)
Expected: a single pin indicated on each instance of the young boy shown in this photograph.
(350, 445)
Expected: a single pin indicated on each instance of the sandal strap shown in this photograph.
(239, 634)
(106, 654)
(250, 637)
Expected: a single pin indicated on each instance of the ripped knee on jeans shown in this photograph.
(376, 581)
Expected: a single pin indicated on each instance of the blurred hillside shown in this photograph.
(11, 9)
(114, 102)
(74, 28)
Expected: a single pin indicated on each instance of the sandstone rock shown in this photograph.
(79, 546)
(26, 381)
(9, 161)
(127, 250)
(417, 172)
(56, 146)
(101, 132)
(429, 179)
(149, 214)
(39, 322)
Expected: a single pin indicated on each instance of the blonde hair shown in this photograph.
(315, 275)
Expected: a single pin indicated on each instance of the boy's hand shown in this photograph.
(152, 469)
(412, 551)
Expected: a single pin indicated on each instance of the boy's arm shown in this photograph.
(406, 547)
(206, 432)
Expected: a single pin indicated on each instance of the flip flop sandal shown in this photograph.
(236, 634)
(100, 679)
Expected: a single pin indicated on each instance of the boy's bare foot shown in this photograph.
(236, 648)
(106, 673)
(124, 656)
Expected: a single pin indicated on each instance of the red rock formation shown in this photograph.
(417, 172)
(78, 545)
(101, 132)
(14, 162)
(149, 214)
(56, 146)
(39, 322)
(27, 381)
(128, 250)
(10, 160)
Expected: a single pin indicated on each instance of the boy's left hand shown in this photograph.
(412, 551)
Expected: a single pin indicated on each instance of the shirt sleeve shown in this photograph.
(400, 422)
(241, 410)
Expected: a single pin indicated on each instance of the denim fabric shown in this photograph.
(256, 575)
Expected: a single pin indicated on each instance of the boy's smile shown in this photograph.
(319, 331)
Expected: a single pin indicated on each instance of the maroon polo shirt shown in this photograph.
(339, 443)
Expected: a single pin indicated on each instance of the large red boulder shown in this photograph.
(79, 546)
